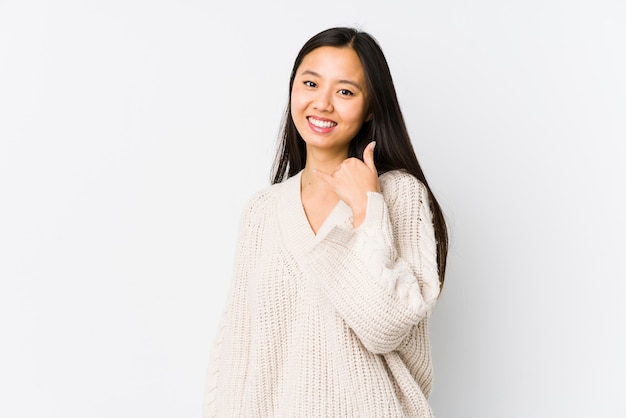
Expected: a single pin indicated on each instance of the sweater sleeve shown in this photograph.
(210, 390)
(227, 374)
(382, 276)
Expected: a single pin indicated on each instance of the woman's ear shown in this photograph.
(369, 117)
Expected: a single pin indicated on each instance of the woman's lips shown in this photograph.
(321, 125)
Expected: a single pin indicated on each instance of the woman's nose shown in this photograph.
(323, 101)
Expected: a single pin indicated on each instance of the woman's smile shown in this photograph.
(321, 125)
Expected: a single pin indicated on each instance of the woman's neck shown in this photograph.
(312, 182)
(323, 160)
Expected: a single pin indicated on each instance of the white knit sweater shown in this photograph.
(332, 324)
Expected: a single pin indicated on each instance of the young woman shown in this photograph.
(340, 261)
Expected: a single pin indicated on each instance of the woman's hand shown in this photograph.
(352, 180)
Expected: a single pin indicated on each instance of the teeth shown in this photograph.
(322, 123)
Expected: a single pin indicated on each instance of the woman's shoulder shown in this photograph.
(396, 183)
(266, 198)
(263, 198)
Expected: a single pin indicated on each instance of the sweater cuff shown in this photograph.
(374, 239)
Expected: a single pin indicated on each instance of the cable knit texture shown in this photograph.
(333, 324)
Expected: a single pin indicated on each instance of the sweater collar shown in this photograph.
(295, 226)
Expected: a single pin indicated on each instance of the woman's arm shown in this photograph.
(233, 333)
(382, 276)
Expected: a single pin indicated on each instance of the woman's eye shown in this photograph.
(345, 92)
(310, 84)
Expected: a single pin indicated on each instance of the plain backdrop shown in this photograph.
(132, 133)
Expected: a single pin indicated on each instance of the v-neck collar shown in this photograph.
(296, 228)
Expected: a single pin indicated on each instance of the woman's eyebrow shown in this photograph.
(314, 74)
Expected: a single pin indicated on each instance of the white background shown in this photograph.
(132, 132)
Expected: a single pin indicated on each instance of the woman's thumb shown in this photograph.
(368, 155)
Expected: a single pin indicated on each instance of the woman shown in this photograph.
(340, 261)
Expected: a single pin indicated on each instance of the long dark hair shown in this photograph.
(394, 150)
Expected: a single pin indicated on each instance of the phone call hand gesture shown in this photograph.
(352, 180)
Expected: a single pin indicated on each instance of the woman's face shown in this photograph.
(329, 101)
